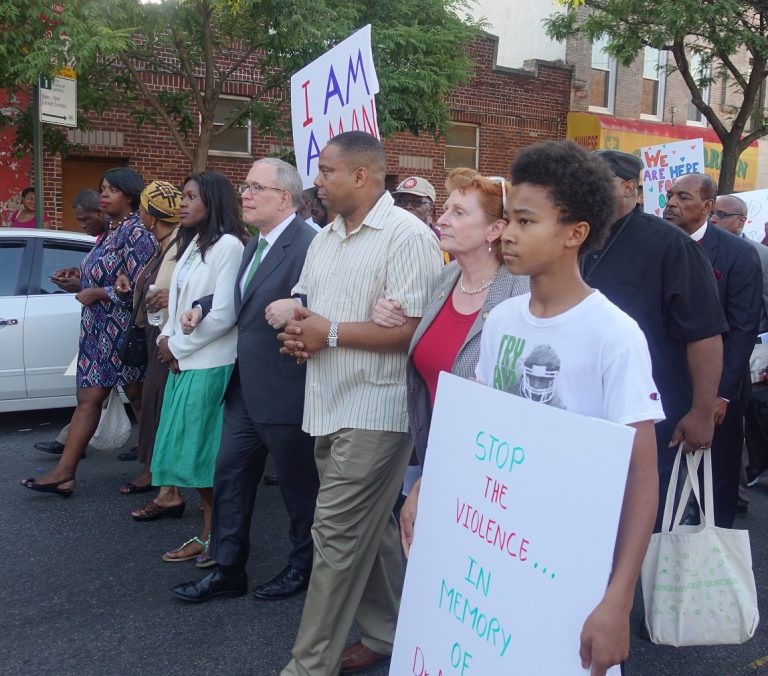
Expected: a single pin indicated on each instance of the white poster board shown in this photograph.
(663, 164)
(757, 213)
(333, 94)
(517, 520)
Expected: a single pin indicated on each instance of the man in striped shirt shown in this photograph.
(355, 402)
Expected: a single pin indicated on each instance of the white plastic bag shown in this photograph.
(114, 425)
(698, 585)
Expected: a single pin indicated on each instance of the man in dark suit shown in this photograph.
(736, 266)
(264, 401)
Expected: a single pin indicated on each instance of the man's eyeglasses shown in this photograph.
(723, 214)
(255, 188)
(411, 202)
(500, 179)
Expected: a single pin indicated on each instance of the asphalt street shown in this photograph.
(84, 589)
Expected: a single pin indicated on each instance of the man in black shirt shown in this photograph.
(663, 280)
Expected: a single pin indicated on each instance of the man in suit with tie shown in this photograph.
(736, 266)
(264, 401)
(730, 213)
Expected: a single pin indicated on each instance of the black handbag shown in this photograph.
(133, 349)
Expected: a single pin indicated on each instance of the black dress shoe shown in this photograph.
(130, 454)
(271, 480)
(50, 447)
(289, 582)
(212, 585)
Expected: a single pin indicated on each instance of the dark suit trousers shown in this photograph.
(726, 463)
(239, 468)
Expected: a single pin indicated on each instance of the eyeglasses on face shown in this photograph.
(255, 188)
(411, 202)
(724, 214)
(502, 180)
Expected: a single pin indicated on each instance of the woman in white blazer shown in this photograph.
(188, 436)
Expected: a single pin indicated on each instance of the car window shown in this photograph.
(57, 256)
(11, 257)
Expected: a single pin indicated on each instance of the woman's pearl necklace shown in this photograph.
(115, 226)
(471, 292)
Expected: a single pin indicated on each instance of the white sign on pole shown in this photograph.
(333, 94)
(58, 100)
(516, 525)
(757, 213)
(663, 164)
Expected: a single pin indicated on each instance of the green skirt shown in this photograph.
(189, 434)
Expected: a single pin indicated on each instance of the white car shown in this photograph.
(39, 323)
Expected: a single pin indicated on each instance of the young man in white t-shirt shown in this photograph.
(564, 344)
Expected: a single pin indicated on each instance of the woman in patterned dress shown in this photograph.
(126, 246)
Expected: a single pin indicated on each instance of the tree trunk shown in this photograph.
(728, 164)
(203, 145)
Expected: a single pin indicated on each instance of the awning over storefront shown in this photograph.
(599, 132)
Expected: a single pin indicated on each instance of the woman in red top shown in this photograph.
(25, 217)
(448, 336)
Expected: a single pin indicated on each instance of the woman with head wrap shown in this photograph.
(159, 212)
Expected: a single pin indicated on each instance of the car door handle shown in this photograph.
(9, 322)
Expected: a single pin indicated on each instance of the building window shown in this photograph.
(462, 146)
(236, 139)
(602, 83)
(652, 103)
(699, 71)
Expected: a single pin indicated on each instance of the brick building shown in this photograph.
(624, 107)
(500, 110)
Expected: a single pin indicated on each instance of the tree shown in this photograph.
(37, 38)
(715, 30)
(418, 49)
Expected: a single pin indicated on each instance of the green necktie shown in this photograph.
(256, 260)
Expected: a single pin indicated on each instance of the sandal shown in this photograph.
(168, 556)
(152, 511)
(204, 560)
(53, 487)
(132, 488)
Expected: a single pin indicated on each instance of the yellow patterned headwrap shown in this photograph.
(162, 200)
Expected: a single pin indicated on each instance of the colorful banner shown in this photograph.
(600, 132)
(663, 164)
(517, 519)
(333, 94)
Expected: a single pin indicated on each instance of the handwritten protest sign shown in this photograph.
(757, 213)
(663, 164)
(333, 94)
(517, 519)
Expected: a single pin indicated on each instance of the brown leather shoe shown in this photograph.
(359, 657)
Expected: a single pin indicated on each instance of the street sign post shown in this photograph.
(58, 98)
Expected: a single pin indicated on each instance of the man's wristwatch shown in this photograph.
(333, 335)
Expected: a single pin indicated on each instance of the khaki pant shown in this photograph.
(357, 571)
(62, 436)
